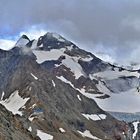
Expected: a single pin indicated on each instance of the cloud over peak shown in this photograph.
(114, 24)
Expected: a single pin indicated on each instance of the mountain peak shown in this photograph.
(25, 37)
(23, 41)
(49, 40)
(51, 35)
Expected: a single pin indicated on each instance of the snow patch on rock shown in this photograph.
(34, 44)
(53, 83)
(95, 117)
(79, 98)
(135, 128)
(2, 95)
(54, 54)
(74, 66)
(30, 129)
(14, 103)
(62, 130)
(34, 76)
(88, 134)
(44, 136)
(110, 74)
(43, 56)
(58, 37)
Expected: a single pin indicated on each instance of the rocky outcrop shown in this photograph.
(11, 128)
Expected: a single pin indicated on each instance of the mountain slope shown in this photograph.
(89, 74)
(50, 85)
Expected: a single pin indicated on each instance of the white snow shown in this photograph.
(30, 129)
(95, 117)
(24, 107)
(22, 42)
(123, 102)
(33, 106)
(65, 80)
(74, 66)
(6, 44)
(136, 67)
(79, 98)
(69, 47)
(34, 44)
(135, 128)
(82, 91)
(62, 130)
(44, 136)
(54, 54)
(87, 58)
(92, 117)
(87, 133)
(31, 118)
(34, 76)
(30, 88)
(125, 97)
(102, 88)
(102, 116)
(43, 56)
(109, 74)
(40, 46)
(53, 83)
(58, 37)
(2, 95)
(61, 40)
(127, 101)
(122, 84)
(91, 89)
(88, 95)
(14, 103)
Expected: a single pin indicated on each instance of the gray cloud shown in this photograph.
(114, 25)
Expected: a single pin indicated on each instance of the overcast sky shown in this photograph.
(109, 28)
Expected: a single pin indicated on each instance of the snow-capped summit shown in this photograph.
(45, 42)
(52, 41)
(23, 41)
(55, 36)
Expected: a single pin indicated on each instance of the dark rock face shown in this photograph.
(11, 127)
(54, 103)
(95, 65)
(25, 37)
(49, 41)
